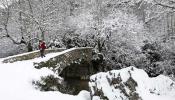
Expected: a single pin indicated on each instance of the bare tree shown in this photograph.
(6, 15)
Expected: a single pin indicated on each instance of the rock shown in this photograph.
(129, 84)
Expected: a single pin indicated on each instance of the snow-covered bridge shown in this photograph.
(29, 55)
(74, 62)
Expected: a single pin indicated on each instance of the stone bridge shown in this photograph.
(75, 62)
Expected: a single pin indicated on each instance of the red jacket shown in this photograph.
(42, 45)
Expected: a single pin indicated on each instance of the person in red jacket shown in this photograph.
(42, 47)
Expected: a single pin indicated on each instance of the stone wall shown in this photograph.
(29, 55)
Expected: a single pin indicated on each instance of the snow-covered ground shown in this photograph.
(158, 88)
(16, 83)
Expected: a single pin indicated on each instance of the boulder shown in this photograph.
(129, 84)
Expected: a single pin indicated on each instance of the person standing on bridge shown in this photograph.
(42, 47)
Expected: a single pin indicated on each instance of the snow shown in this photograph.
(19, 55)
(162, 87)
(46, 58)
(52, 55)
(16, 83)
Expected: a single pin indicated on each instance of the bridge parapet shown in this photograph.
(75, 56)
(29, 55)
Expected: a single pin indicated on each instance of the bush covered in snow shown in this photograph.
(52, 83)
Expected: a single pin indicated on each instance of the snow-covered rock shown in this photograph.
(131, 84)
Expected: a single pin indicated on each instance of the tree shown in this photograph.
(5, 17)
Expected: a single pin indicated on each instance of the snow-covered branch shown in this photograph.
(165, 5)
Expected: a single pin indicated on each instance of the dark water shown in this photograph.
(77, 84)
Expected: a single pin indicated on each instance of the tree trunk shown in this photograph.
(20, 19)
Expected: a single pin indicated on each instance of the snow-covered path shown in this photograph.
(16, 83)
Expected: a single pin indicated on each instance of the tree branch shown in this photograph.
(3, 36)
(13, 40)
(173, 2)
(164, 5)
(157, 16)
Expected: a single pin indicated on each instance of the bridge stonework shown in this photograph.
(29, 55)
(73, 63)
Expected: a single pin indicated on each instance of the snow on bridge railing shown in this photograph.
(29, 55)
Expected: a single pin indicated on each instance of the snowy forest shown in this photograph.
(122, 33)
